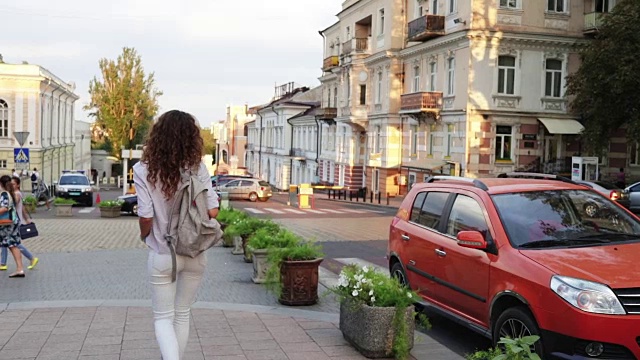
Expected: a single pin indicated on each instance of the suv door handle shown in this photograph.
(441, 253)
(405, 237)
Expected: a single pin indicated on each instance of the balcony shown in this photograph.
(426, 27)
(592, 22)
(330, 63)
(421, 102)
(361, 46)
(327, 113)
(297, 153)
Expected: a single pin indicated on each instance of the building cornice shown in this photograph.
(442, 42)
(528, 39)
(380, 57)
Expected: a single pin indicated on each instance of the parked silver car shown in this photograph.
(633, 192)
(251, 189)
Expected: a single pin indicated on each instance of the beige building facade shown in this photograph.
(232, 140)
(477, 88)
(34, 100)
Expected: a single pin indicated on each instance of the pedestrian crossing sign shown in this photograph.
(20, 155)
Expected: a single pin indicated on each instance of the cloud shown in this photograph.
(205, 53)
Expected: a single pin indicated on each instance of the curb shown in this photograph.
(360, 203)
(261, 309)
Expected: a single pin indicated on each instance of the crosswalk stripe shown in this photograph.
(333, 211)
(86, 210)
(255, 211)
(294, 211)
(314, 211)
(275, 211)
(355, 211)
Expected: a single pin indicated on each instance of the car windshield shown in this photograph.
(263, 183)
(540, 219)
(74, 180)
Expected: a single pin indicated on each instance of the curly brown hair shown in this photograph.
(174, 144)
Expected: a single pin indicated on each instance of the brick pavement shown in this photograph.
(217, 332)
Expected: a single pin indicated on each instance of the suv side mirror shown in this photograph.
(472, 240)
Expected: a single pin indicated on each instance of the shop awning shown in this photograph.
(562, 126)
(424, 164)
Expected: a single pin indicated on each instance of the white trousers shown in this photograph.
(172, 301)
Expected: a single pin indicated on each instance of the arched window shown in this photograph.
(4, 119)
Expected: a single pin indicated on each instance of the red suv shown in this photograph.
(511, 257)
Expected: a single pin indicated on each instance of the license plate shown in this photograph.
(74, 193)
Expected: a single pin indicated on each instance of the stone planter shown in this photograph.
(247, 254)
(299, 281)
(237, 246)
(370, 329)
(64, 210)
(260, 265)
(110, 212)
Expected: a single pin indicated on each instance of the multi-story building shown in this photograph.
(34, 100)
(282, 140)
(450, 86)
(232, 140)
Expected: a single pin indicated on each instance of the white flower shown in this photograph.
(364, 281)
(373, 299)
(409, 295)
(371, 292)
(365, 269)
(355, 293)
(343, 281)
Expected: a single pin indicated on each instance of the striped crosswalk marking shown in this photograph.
(356, 211)
(255, 211)
(275, 211)
(313, 211)
(333, 211)
(295, 211)
(86, 210)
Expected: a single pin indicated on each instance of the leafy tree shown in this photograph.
(209, 141)
(124, 101)
(606, 85)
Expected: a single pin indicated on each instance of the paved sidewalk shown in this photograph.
(113, 330)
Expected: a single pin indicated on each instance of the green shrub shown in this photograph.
(30, 200)
(63, 201)
(509, 349)
(111, 203)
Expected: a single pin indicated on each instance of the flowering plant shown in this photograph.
(364, 285)
(358, 286)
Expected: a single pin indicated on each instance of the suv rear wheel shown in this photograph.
(253, 197)
(516, 322)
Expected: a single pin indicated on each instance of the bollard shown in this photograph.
(379, 196)
(350, 196)
(387, 198)
(328, 193)
(371, 197)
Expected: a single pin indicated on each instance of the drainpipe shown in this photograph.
(273, 107)
(291, 148)
(318, 140)
(64, 129)
(260, 148)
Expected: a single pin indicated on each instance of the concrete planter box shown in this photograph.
(370, 329)
(237, 246)
(299, 281)
(110, 212)
(260, 265)
(64, 210)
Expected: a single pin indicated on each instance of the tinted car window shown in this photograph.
(417, 205)
(74, 180)
(263, 183)
(247, 183)
(466, 214)
(559, 218)
(431, 210)
(233, 183)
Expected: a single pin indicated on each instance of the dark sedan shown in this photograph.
(131, 203)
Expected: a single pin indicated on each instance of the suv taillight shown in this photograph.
(261, 188)
(614, 195)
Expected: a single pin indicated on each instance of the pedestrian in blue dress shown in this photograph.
(9, 224)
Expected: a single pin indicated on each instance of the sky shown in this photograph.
(205, 54)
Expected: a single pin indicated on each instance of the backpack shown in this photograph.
(190, 232)
(10, 217)
(34, 177)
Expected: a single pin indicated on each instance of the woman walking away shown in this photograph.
(9, 224)
(25, 218)
(174, 147)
